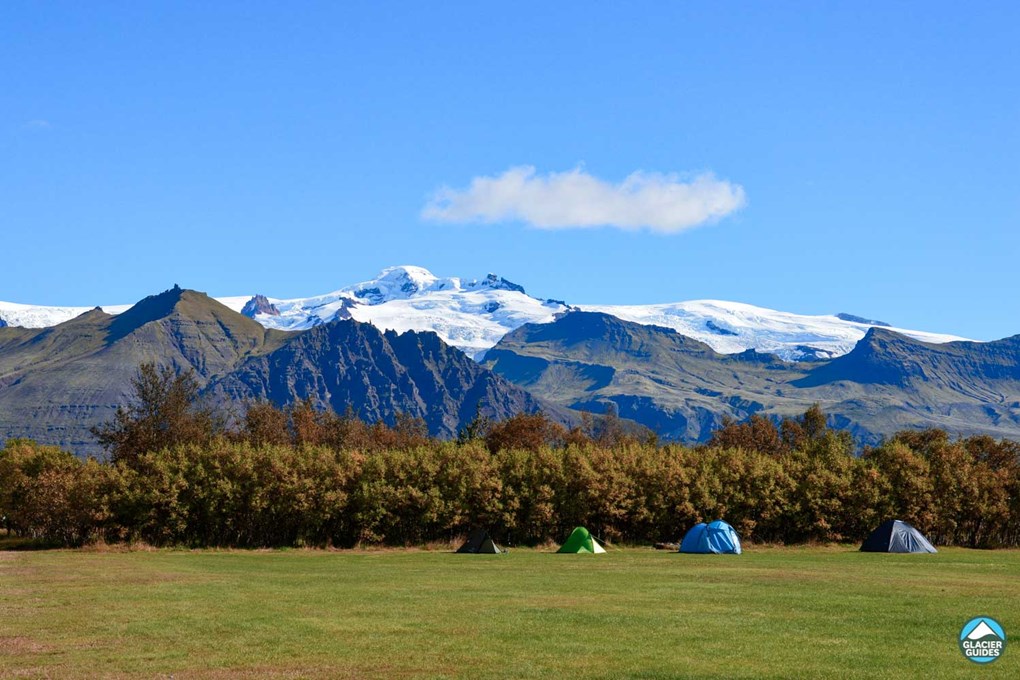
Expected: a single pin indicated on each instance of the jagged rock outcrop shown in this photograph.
(259, 304)
(377, 374)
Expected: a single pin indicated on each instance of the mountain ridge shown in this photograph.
(474, 314)
(58, 382)
(683, 388)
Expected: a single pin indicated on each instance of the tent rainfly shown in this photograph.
(479, 542)
(581, 541)
(717, 537)
(894, 536)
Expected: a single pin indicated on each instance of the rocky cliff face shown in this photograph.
(378, 374)
(259, 304)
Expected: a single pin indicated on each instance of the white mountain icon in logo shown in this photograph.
(980, 631)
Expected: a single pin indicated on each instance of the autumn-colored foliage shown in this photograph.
(301, 477)
(237, 493)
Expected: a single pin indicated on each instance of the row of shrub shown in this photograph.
(181, 472)
(235, 493)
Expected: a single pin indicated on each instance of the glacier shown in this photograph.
(473, 314)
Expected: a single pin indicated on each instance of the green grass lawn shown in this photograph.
(772, 612)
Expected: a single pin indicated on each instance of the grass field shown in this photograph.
(772, 612)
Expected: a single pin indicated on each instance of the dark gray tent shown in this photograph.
(895, 536)
(480, 542)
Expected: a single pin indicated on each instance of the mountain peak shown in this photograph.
(882, 356)
(878, 336)
(399, 283)
(150, 308)
(179, 303)
(259, 304)
(408, 281)
(495, 282)
(407, 273)
(96, 313)
(579, 327)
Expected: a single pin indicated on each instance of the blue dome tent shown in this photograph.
(717, 537)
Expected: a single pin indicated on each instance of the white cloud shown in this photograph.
(573, 200)
(37, 124)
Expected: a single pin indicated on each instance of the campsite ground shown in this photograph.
(772, 612)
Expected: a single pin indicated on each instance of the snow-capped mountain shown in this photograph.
(471, 315)
(474, 314)
(731, 327)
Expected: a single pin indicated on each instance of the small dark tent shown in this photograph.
(895, 536)
(718, 538)
(480, 542)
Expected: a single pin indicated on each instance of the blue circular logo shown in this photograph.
(982, 639)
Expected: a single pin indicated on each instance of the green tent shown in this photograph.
(581, 541)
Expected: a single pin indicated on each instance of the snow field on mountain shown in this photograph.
(731, 327)
(473, 315)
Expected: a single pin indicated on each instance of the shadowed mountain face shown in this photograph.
(683, 389)
(887, 358)
(350, 364)
(57, 382)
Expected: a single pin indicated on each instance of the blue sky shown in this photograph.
(291, 149)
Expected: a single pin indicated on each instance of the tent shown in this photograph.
(895, 536)
(581, 541)
(717, 537)
(480, 542)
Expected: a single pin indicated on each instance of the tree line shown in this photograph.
(183, 473)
